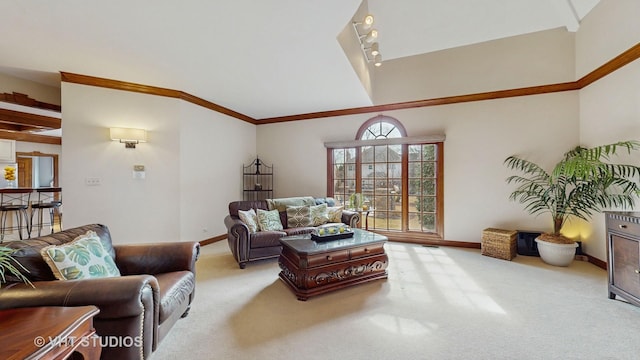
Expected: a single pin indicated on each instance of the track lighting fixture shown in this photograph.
(368, 39)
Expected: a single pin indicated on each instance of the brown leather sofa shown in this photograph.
(247, 247)
(155, 289)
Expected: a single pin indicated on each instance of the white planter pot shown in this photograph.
(556, 254)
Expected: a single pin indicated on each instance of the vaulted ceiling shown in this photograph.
(260, 58)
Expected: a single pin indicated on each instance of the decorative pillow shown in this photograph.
(269, 220)
(319, 214)
(298, 216)
(82, 258)
(250, 218)
(335, 213)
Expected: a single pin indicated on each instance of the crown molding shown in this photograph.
(612, 65)
(151, 90)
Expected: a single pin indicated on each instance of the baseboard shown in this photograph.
(212, 240)
(595, 261)
(585, 257)
(462, 244)
(449, 243)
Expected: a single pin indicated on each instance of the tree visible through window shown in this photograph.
(401, 180)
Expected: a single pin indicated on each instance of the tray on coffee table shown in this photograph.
(343, 235)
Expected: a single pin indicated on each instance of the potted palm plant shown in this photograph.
(9, 264)
(582, 183)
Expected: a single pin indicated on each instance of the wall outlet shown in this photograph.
(92, 181)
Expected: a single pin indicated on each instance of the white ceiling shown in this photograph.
(261, 58)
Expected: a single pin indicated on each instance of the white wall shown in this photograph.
(480, 135)
(540, 58)
(192, 165)
(23, 146)
(134, 210)
(610, 107)
(608, 30)
(213, 148)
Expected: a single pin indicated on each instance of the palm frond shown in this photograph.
(8, 264)
(581, 184)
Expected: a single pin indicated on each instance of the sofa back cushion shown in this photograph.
(28, 251)
(281, 203)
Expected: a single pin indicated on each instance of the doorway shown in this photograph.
(36, 169)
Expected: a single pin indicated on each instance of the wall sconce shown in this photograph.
(368, 36)
(130, 137)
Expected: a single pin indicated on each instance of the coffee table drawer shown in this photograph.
(368, 250)
(327, 258)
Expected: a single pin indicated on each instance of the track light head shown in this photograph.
(371, 36)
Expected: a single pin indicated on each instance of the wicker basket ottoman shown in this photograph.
(498, 243)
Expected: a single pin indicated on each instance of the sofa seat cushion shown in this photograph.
(266, 238)
(299, 230)
(175, 288)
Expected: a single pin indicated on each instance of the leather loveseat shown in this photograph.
(246, 246)
(138, 308)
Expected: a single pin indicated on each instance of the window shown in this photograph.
(400, 177)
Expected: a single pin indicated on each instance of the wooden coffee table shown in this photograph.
(49, 333)
(312, 268)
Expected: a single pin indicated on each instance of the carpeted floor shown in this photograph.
(438, 303)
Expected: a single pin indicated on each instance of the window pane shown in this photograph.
(414, 187)
(414, 222)
(381, 171)
(350, 155)
(414, 152)
(338, 156)
(381, 186)
(428, 169)
(429, 152)
(367, 171)
(414, 170)
(395, 220)
(367, 154)
(388, 130)
(380, 153)
(395, 170)
(428, 204)
(429, 222)
(395, 153)
(429, 187)
(351, 187)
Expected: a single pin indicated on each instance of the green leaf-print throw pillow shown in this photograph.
(269, 220)
(82, 258)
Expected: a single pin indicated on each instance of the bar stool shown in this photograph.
(14, 201)
(50, 200)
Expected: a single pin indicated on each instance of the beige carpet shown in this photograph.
(438, 303)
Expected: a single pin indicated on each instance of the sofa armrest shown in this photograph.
(116, 297)
(238, 238)
(157, 258)
(129, 307)
(351, 218)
